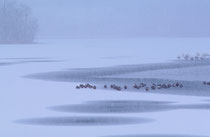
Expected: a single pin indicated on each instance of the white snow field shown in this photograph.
(38, 96)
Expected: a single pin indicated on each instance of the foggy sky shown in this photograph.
(122, 18)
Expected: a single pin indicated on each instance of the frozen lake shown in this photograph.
(39, 99)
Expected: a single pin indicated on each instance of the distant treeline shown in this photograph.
(17, 25)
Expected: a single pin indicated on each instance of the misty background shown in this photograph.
(122, 18)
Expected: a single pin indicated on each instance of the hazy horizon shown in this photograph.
(122, 18)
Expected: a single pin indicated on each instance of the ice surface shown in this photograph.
(160, 135)
(39, 102)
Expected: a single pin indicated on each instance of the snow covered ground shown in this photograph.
(38, 96)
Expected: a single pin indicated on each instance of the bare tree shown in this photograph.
(17, 25)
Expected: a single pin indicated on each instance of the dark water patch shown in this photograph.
(6, 63)
(195, 88)
(100, 76)
(156, 135)
(125, 106)
(124, 69)
(26, 58)
(27, 61)
(115, 107)
(31, 61)
(83, 121)
(194, 106)
(20, 43)
(109, 71)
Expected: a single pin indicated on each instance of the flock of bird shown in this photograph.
(198, 56)
(147, 88)
(86, 86)
(206, 83)
(136, 86)
(113, 86)
(186, 57)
